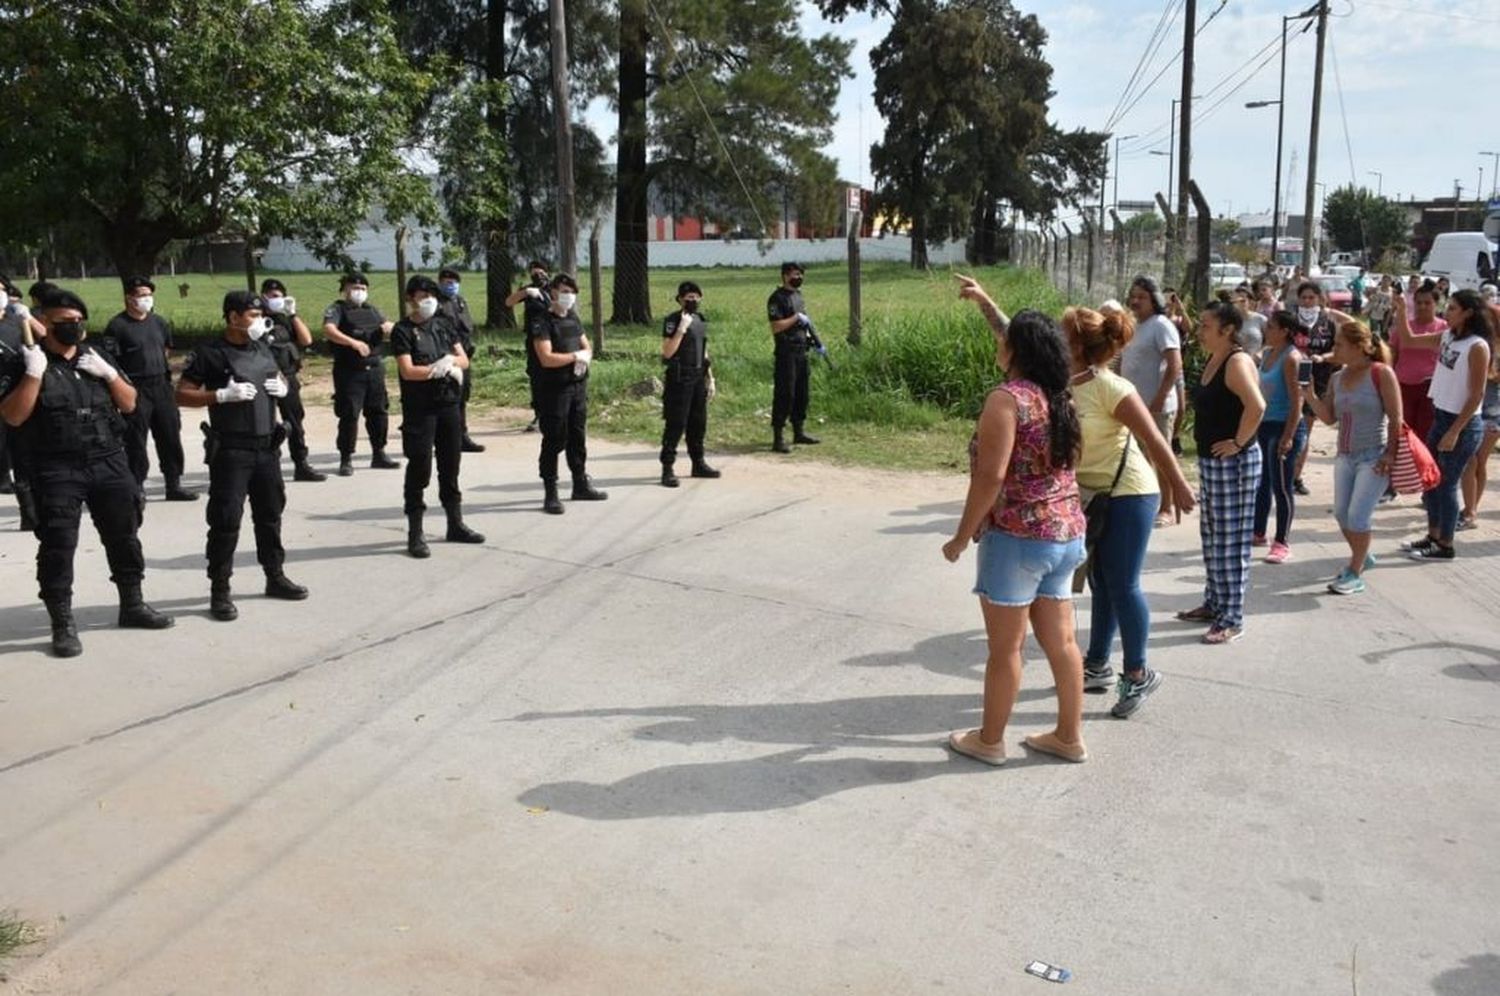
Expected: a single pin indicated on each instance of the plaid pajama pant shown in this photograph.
(1226, 520)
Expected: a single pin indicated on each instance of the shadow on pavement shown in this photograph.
(29, 622)
(946, 512)
(1479, 975)
(244, 559)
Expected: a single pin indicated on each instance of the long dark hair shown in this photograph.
(1038, 354)
(1481, 320)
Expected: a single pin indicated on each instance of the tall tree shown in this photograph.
(951, 155)
(720, 102)
(1359, 219)
(166, 119)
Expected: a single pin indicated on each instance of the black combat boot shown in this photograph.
(550, 503)
(176, 492)
(457, 531)
(803, 439)
(702, 469)
(135, 613)
(278, 585)
(305, 472)
(470, 446)
(380, 461)
(416, 543)
(65, 642)
(584, 490)
(668, 476)
(780, 444)
(220, 605)
(346, 465)
(7, 487)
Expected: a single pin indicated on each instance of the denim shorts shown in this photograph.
(1015, 572)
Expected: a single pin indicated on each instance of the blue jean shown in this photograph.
(1115, 580)
(1357, 488)
(1015, 571)
(1442, 501)
(1276, 475)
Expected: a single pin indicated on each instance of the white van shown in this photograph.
(1467, 259)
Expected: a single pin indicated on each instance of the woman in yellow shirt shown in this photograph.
(1121, 444)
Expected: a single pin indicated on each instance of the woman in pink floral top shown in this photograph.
(1023, 509)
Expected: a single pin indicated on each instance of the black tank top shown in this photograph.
(1217, 410)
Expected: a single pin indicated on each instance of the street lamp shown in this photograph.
(1118, 140)
(1494, 174)
(1168, 154)
(1379, 180)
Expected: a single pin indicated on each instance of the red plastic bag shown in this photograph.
(1414, 471)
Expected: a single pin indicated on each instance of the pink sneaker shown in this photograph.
(1280, 554)
(1259, 539)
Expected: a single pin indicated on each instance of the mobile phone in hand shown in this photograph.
(1304, 372)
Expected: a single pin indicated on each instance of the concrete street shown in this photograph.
(691, 742)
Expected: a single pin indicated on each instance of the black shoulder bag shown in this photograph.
(1095, 514)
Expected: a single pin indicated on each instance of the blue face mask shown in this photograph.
(450, 288)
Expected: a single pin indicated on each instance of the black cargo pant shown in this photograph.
(562, 414)
(62, 487)
(684, 406)
(155, 413)
(789, 396)
(357, 392)
(292, 416)
(235, 473)
(424, 432)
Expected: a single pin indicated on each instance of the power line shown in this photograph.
(1153, 45)
(1155, 79)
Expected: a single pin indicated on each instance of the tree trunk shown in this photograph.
(497, 259)
(133, 248)
(402, 234)
(250, 264)
(632, 293)
(919, 241)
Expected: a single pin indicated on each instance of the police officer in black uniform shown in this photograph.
(536, 297)
(288, 337)
(789, 327)
(71, 405)
(432, 364)
(14, 320)
(452, 306)
(561, 391)
(684, 399)
(357, 330)
(236, 378)
(139, 341)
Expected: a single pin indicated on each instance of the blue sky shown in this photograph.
(1413, 72)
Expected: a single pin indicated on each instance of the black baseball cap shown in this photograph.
(420, 284)
(688, 287)
(789, 266)
(449, 273)
(131, 283)
(561, 279)
(56, 297)
(238, 302)
(272, 284)
(537, 264)
(354, 277)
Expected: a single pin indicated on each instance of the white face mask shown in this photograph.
(1307, 315)
(358, 296)
(425, 308)
(566, 300)
(275, 305)
(258, 328)
(145, 304)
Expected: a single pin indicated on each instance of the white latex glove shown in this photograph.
(802, 318)
(457, 373)
(710, 388)
(535, 293)
(95, 365)
(290, 308)
(237, 391)
(584, 356)
(20, 310)
(36, 361)
(439, 368)
(276, 387)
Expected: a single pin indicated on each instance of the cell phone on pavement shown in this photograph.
(1304, 372)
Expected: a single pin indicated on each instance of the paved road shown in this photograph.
(689, 742)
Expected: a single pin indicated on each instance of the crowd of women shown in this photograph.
(1071, 465)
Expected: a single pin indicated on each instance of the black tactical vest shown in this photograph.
(688, 360)
(283, 342)
(252, 364)
(362, 323)
(566, 335)
(75, 415)
(430, 342)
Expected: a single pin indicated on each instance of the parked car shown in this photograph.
(1227, 276)
(1338, 259)
(1336, 291)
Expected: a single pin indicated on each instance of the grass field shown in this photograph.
(905, 398)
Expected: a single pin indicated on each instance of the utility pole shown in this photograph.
(1458, 192)
(1312, 141)
(1494, 174)
(1379, 181)
(1185, 135)
(567, 220)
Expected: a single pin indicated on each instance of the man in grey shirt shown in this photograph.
(1152, 362)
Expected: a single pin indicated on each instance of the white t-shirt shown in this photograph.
(1450, 378)
(1144, 361)
(1253, 335)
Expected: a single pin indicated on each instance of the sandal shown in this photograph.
(969, 745)
(1201, 614)
(1047, 743)
(1222, 634)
